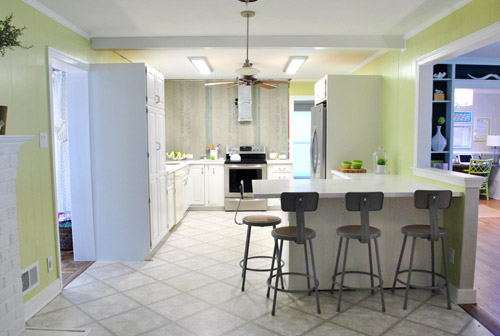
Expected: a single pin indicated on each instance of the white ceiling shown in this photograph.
(347, 32)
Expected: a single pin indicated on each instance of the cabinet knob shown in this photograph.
(157, 99)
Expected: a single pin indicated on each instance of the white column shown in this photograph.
(11, 298)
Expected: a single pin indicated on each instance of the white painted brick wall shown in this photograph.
(11, 298)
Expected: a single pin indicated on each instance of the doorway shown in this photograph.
(68, 81)
(300, 135)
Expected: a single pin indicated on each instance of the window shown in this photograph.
(302, 139)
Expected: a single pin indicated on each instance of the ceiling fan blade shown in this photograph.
(218, 83)
(232, 86)
(266, 86)
(275, 82)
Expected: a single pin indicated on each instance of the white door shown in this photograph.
(197, 185)
(215, 183)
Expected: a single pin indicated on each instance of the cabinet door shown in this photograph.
(152, 142)
(154, 212)
(214, 179)
(162, 204)
(197, 185)
(171, 207)
(160, 91)
(160, 141)
(150, 87)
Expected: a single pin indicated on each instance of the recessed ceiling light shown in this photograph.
(201, 64)
(294, 64)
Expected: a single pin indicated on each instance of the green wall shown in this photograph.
(398, 71)
(301, 89)
(24, 89)
(398, 98)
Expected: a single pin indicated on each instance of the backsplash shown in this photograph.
(197, 115)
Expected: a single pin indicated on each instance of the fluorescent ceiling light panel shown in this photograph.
(294, 64)
(201, 64)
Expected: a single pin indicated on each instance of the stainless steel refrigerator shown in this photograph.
(318, 142)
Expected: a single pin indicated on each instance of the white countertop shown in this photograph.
(172, 166)
(271, 162)
(390, 185)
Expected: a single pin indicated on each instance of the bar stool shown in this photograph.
(432, 200)
(298, 203)
(251, 221)
(364, 203)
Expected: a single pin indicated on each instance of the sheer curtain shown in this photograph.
(60, 136)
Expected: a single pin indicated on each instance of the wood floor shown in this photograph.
(487, 275)
(72, 269)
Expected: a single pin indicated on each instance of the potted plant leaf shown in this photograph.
(381, 162)
(9, 35)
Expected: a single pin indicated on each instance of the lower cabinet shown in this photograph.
(206, 185)
(170, 201)
(282, 171)
(179, 195)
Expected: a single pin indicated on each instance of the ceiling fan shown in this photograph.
(246, 74)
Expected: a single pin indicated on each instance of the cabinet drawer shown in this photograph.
(281, 168)
(281, 176)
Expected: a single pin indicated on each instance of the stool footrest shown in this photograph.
(308, 290)
(380, 285)
(418, 286)
(260, 269)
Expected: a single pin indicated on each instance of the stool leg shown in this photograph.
(433, 268)
(316, 283)
(278, 275)
(245, 258)
(343, 275)
(409, 272)
(371, 264)
(275, 250)
(307, 270)
(334, 277)
(381, 281)
(446, 273)
(399, 264)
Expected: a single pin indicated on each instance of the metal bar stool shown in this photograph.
(298, 203)
(251, 221)
(432, 200)
(364, 203)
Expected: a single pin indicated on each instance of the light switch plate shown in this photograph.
(44, 140)
(50, 264)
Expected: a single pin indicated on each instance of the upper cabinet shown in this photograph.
(156, 88)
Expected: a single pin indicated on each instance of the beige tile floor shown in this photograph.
(192, 287)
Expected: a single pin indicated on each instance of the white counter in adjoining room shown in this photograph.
(398, 211)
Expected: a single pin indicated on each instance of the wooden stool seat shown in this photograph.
(421, 231)
(354, 232)
(289, 233)
(261, 220)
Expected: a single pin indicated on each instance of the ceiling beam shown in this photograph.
(307, 42)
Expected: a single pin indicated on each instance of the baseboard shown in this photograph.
(463, 296)
(40, 300)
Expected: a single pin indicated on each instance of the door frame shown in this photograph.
(70, 64)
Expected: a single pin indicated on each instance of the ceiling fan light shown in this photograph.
(247, 71)
(294, 64)
(201, 64)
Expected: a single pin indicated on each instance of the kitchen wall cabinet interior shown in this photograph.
(281, 171)
(128, 155)
(442, 105)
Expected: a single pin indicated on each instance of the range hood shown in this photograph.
(244, 103)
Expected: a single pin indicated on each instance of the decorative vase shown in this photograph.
(439, 142)
(3, 119)
(380, 169)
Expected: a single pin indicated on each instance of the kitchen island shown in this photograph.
(398, 210)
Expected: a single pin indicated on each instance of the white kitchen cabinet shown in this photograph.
(187, 176)
(170, 201)
(214, 185)
(179, 195)
(156, 88)
(281, 171)
(127, 134)
(197, 185)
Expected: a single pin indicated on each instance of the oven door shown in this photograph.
(234, 173)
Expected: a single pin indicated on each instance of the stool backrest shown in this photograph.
(364, 202)
(433, 200)
(299, 203)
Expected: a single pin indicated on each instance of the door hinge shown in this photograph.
(149, 200)
(147, 110)
(148, 155)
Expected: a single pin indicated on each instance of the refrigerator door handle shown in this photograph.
(314, 146)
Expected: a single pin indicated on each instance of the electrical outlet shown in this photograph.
(44, 140)
(50, 264)
(189, 156)
(451, 255)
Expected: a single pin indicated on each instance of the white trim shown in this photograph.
(450, 177)
(65, 62)
(370, 59)
(476, 60)
(36, 303)
(426, 24)
(58, 18)
(463, 296)
(14, 140)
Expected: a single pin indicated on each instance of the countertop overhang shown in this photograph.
(390, 185)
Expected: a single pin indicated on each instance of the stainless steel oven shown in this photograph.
(244, 163)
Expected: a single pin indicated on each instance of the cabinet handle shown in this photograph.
(157, 99)
(158, 146)
(213, 171)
